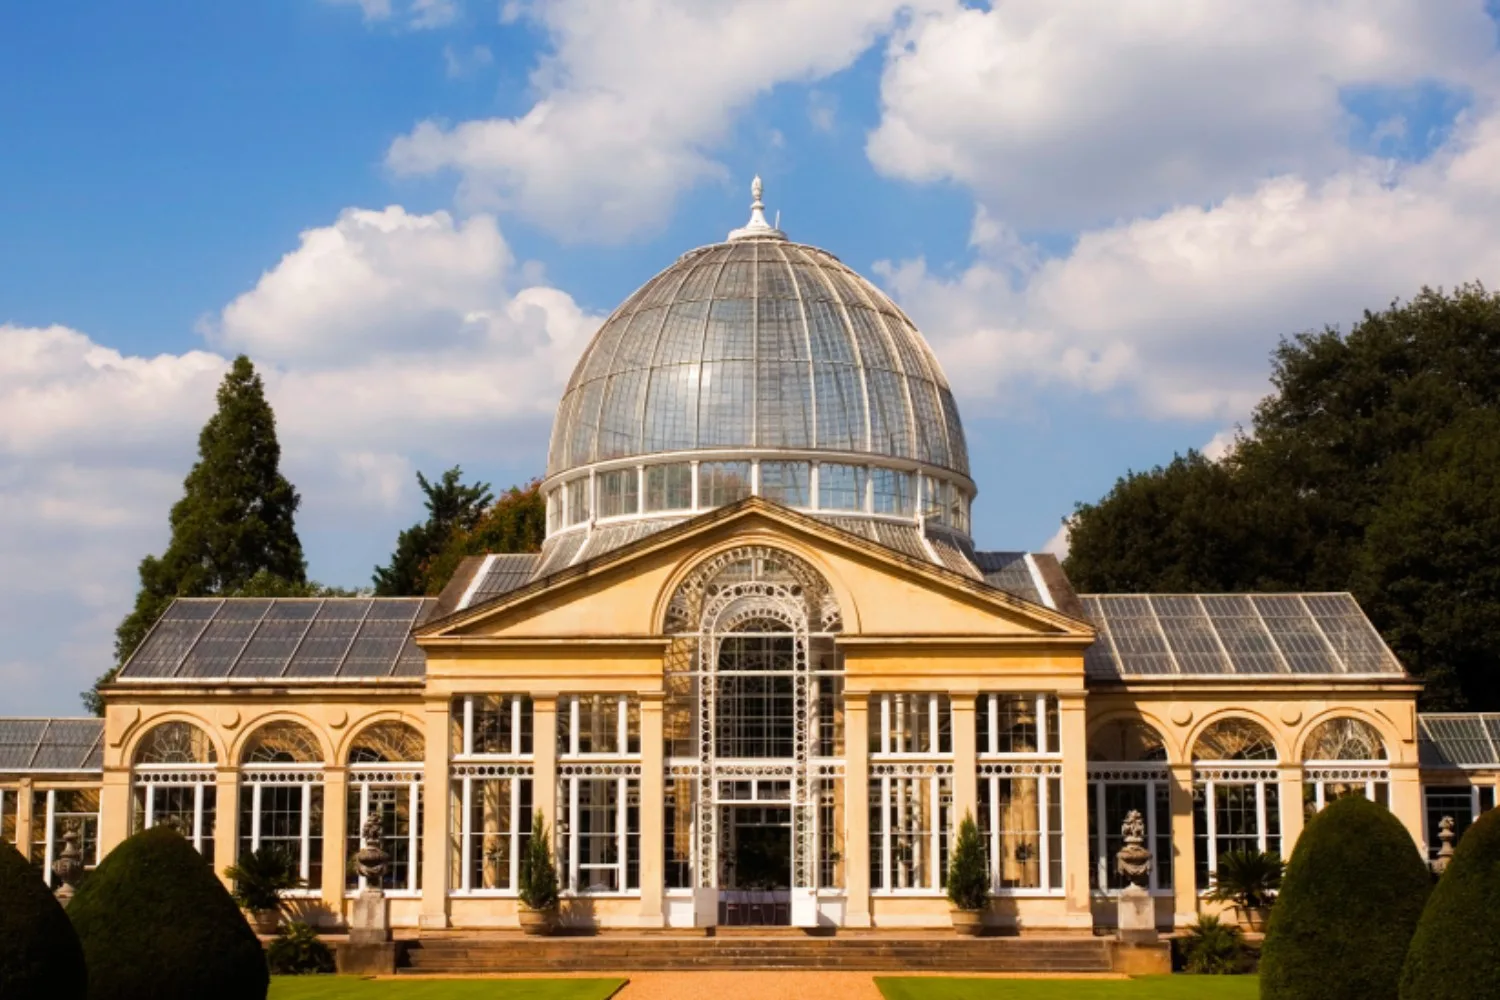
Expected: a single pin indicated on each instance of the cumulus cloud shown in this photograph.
(632, 101)
(388, 341)
(1176, 313)
(1065, 113)
(414, 14)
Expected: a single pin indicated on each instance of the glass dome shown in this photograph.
(755, 366)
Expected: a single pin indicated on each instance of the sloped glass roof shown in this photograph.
(51, 744)
(1143, 635)
(758, 344)
(248, 638)
(1456, 739)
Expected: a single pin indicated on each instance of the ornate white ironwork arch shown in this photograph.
(741, 593)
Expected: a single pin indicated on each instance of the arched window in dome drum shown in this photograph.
(721, 483)
(786, 483)
(894, 492)
(841, 487)
(669, 487)
(578, 500)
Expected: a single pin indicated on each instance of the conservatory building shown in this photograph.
(757, 674)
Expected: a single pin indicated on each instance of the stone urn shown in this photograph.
(968, 923)
(536, 922)
(69, 866)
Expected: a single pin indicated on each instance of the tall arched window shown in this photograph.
(1236, 797)
(385, 778)
(1128, 771)
(281, 796)
(1344, 756)
(173, 783)
(754, 715)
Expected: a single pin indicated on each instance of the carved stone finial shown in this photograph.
(757, 228)
(69, 865)
(372, 860)
(1134, 859)
(1445, 838)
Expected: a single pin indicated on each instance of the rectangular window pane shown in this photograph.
(1007, 722)
(9, 813)
(935, 494)
(392, 803)
(788, 483)
(841, 487)
(679, 822)
(554, 510)
(721, 483)
(911, 723)
(495, 719)
(895, 492)
(498, 817)
(669, 487)
(599, 720)
(578, 501)
(1013, 807)
(1456, 801)
(619, 492)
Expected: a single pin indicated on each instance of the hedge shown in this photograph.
(40, 958)
(157, 925)
(1456, 951)
(1348, 907)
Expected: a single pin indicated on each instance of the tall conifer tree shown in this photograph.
(234, 523)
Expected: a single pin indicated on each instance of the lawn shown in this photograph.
(351, 988)
(1143, 988)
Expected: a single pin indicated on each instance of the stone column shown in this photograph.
(544, 750)
(436, 804)
(1290, 784)
(25, 821)
(653, 804)
(226, 818)
(1406, 799)
(965, 760)
(1184, 872)
(1073, 725)
(857, 809)
(335, 833)
(115, 810)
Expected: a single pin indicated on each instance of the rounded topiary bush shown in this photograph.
(1348, 906)
(1456, 950)
(40, 958)
(157, 925)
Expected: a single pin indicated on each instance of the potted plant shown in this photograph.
(1248, 880)
(260, 877)
(968, 879)
(538, 888)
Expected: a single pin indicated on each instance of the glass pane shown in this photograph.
(618, 492)
(895, 492)
(721, 483)
(669, 487)
(841, 487)
(787, 483)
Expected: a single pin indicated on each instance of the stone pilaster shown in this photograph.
(335, 832)
(653, 794)
(1184, 872)
(857, 810)
(436, 806)
(1073, 741)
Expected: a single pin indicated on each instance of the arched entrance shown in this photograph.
(755, 659)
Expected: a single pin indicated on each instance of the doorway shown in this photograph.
(757, 877)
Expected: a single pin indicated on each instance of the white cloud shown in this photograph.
(1176, 314)
(632, 102)
(415, 14)
(388, 341)
(1060, 113)
(461, 62)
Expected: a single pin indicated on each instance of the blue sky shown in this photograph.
(413, 213)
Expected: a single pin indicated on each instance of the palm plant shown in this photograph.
(261, 876)
(1248, 879)
(1212, 947)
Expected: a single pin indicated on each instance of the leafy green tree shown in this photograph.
(452, 507)
(1347, 909)
(516, 523)
(1329, 490)
(234, 521)
(1456, 950)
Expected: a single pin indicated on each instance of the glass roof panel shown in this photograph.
(1349, 632)
(1243, 634)
(1190, 635)
(726, 405)
(841, 407)
(1138, 639)
(1297, 636)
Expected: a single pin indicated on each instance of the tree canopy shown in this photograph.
(452, 507)
(1372, 467)
(517, 522)
(234, 523)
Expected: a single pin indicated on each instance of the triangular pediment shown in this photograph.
(622, 595)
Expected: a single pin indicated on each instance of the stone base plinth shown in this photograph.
(1141, 959)
(374, 959)
(371, 921)
(1136, 916)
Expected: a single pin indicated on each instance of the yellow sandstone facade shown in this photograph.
(757, 675)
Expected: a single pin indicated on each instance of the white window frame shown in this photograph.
(1152, 775)
(624, 775)
(464, 776)
(986, 745)
(304, 776)
(517, 711)
(408, 776)
(571, 704)
(1208, 775)
(1321, 773)
(50, 846)
(150, 777)
(1043, 772)
(893, 765)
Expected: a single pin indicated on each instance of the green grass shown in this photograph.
(1143, 988)
(352, 988)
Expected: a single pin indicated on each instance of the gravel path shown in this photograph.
(750, 986)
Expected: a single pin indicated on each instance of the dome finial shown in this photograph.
(757, 228)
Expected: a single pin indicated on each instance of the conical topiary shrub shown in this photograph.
(1456, 950)
(1348, 906)
(40, 958)
(157, 925)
